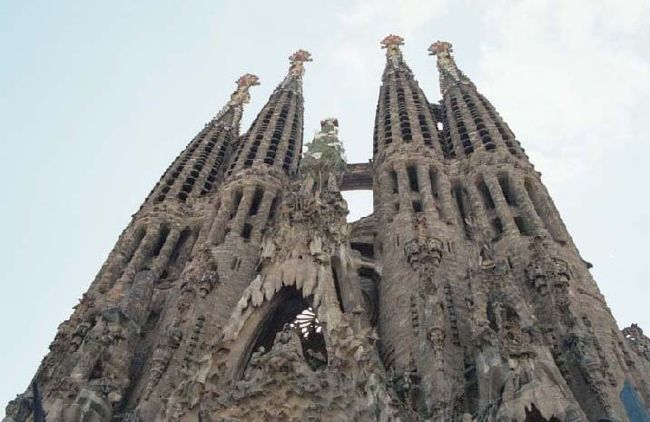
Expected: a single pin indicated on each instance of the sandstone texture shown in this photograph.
(239, 292)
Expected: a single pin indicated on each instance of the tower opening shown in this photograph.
(534, 415)
(485, 194)
(413, 178)
(369, 281)
(360, 203)
(523, 226)
(180, 243)
(236, 201)
(459, 193)
(506, 188)
(394, 183)
(336, 275)
(433, 180)
(367, 250)
(272, 209)
(246, 231)
(296, 313)
(162, 237)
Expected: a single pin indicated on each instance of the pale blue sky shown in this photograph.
(96, 99)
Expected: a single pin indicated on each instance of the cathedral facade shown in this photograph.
(239, 292)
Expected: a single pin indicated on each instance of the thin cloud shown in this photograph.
(589, 82)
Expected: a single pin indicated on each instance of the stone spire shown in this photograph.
(392, 43)
(450, 75)
(275, 137)
(403, 113)
(230, 114)
(197, 169)
(471, 122)
(293, 80)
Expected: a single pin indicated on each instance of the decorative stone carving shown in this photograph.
(79, 335)
(427, 253)
(391, 43)
(544, 269)
(298, 60)
(130, 354)
(449, 72)
(436, 336)
(407, 386)
(200, 276)
(637, 340)
(161, 357)
(238, 98)
(19, 409)
(244, 83)
(324, 156)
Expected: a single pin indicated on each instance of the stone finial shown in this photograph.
(247, 80)
(449, 72)
(241, 95)
(391, 43)
(440, 48)
(297, 61)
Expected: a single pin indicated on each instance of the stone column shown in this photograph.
(429, 203)
(263, 214)
(404, 190)
(166, 251)
(526, 205)
(502, 207)
(238, 221)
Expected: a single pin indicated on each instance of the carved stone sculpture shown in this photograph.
(240, 292)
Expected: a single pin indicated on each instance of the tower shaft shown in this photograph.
(240, 292)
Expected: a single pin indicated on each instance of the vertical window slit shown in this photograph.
(485, 194)
(461, 202)
(434, 183)
(523, 226)
(413, 178)
(272, 210)
(246, 231)
(337, 287)
(185, 234)
(506, 188)
(393, 179)
(497, 225)
(235, 205)
(160, 242)
(257, 200)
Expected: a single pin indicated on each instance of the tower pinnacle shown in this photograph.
(297, 61)
(461, 297)
(393, 53)
(237, 100)
(241, 95)
(449, 72)
(293, 80)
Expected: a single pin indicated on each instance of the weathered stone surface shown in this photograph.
(240, 293)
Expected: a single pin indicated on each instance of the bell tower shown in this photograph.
(240, 292)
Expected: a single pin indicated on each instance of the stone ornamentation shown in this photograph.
(240, 292)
